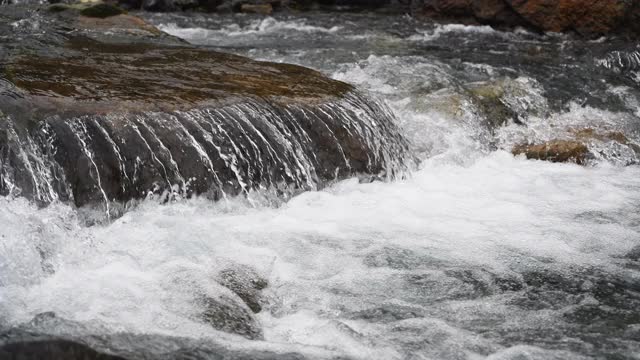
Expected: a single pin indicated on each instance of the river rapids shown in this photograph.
(475, 253)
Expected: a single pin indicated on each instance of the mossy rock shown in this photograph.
(489, 98)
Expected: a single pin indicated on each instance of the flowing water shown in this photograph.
(475, 254)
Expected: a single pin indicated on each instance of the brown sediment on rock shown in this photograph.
(111, 110)
(150, 74)
(555, 151)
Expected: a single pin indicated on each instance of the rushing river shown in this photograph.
(474, 254)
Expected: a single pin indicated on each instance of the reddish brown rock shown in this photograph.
(495, 11)
(586, 17)
(555, 151)
(582, 16)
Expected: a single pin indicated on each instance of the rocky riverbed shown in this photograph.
(471, 192)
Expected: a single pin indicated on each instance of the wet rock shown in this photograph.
(101, 10)
(634, 254)
(496, 12)
(590, 134)
(484, 283)
(585, 17)
(244, 282)
(399, 259)
(583, 294)
(489, 99)
(54, 338)
(388, 313)
(169, 5)
(579, 145)
(93, 10)
(556, 151)
(177, 120)
(227, 315)
(262, 9)
(124, 24)
(589, 18)
(51, 349)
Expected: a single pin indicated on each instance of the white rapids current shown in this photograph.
(409, 269)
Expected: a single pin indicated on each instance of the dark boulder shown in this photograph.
(169, 5)
(99, 10)
(108, 110)
(493, 12)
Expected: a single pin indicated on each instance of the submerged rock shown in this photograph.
(227, 315)
(108, 110)
(244, 282)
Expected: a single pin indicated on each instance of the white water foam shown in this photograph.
(440, 29)
(263, 26)
(500, 214)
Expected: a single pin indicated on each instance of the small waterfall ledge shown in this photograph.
(103, 111)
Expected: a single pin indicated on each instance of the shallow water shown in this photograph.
(476, 254)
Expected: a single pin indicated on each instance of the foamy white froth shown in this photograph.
(326, 254)
(261, 27)
(435, 266)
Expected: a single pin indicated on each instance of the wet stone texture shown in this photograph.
(145, 114)
(54, 338)
(586, 17)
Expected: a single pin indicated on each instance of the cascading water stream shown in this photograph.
(477, 254)
(224, 151)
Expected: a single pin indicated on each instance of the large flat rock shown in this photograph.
(100, 111)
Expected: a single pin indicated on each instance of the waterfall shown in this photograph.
(233, 149)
